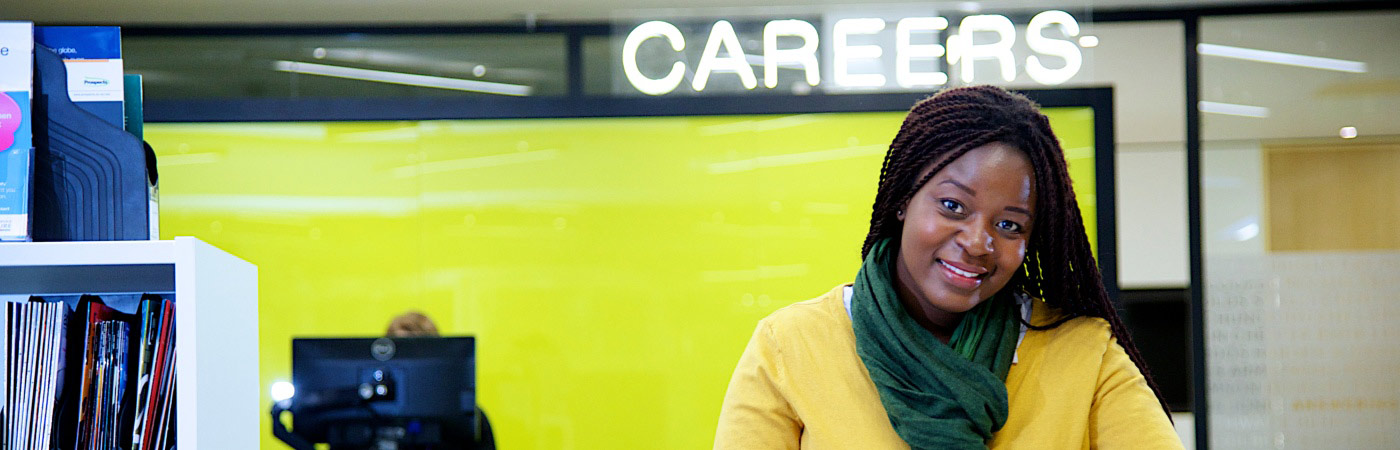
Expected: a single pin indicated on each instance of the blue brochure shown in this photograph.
(93, 57)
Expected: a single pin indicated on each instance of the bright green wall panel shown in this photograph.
(612, 269)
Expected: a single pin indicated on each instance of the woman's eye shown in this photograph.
(952, 206)
(1009, 226)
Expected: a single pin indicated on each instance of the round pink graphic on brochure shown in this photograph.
(10, 118)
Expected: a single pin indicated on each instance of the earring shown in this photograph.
(899, 214)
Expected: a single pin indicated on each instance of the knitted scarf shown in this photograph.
(936, 395)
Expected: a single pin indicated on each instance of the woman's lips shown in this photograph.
(960, 276)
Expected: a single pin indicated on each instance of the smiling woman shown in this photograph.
(965, 227)
(978, 319)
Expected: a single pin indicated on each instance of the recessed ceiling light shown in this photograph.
(1233, 109)
(1288, 59)
(1348, 132)
(409, 79)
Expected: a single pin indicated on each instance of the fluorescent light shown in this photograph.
(751, 126)
(190, 158)
(408, 79)
(793, 159)
(1288, 59)
(1348, 132)
(1247, 232)
(1233, 109)
(1242, 230)
(751, 275)
(311, 204)
(476, 162)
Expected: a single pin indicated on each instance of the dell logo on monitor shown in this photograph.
(382, 349)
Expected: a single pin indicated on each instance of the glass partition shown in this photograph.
(1301, 229)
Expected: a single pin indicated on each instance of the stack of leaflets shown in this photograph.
(121, 389)
(154, 426)
(34, 360)
(103, 389)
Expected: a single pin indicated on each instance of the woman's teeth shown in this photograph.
(959, 271)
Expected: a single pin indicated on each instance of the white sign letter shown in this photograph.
(806, 55)
(1053, 47)
(965, 49)
(905, 51)
(843, 54)
(722, 34)
(634, 40)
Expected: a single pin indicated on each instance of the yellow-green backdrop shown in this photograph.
(612, 269)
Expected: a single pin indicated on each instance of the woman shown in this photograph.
(978, 318)
(415, 324)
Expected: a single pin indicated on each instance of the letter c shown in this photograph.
(655, 28)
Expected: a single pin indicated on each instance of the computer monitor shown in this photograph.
(359, 392)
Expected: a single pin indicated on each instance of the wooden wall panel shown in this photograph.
(1333, 197)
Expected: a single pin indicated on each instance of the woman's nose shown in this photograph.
(975, 240)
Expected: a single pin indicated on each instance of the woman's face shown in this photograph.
(965, 232)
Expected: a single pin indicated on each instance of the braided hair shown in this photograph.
(1059, 266)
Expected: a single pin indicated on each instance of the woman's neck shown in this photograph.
(937, 321)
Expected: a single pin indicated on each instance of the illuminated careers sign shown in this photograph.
(959, 46)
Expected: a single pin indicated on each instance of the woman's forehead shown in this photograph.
(991, 155)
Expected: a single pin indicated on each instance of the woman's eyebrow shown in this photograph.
(970, 191)
(960, 186)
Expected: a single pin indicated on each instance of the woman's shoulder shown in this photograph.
(1075, 331)
(805, 317)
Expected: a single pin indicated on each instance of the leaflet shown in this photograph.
(93, 59)
(16, 135)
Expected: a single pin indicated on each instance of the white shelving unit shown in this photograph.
(216, 319)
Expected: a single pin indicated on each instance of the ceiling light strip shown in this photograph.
(1288, 59)
(408, 79)
(1233, 109)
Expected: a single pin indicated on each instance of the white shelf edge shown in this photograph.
(94, 253)
(16, 254)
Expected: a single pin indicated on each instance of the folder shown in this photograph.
(90, 177)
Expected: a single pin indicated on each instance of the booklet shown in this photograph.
(93, 57)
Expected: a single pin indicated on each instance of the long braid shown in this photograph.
(1090, 278)
(1059, 266)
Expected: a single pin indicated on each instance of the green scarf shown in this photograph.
(936, 395)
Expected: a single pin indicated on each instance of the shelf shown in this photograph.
(89, 267)
(216, 319)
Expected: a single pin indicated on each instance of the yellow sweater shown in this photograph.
(801, 384)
